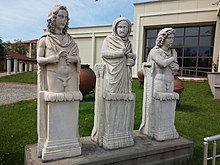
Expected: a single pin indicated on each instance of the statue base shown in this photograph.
(165, 118)
(62, 139)
(144, 151)
(118, 125)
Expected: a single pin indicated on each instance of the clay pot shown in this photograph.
(87, 79)
(141, 77)
(178, 84)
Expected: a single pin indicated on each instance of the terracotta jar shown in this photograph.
(178, 84)
(87, 79)
(141, 78)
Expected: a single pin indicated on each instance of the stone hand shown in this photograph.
(71, 59)
(53, 59)
(132, 56)
(62, 53)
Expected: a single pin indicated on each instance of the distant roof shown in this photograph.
(14, 55)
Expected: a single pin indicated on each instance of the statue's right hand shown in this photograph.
(53, 59)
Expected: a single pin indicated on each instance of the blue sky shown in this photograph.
(26, 19)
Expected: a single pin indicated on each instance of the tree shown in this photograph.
(19, 47)
(2, 49)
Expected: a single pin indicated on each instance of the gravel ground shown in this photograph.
(13, 92)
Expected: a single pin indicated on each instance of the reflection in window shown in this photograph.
(205, 41)
(194, 47)
(190, 52)
(204, 62)
(204, 52)
(179, 32)
(191, 41)
(192, 31)
(206, 30)
(151, 42)
(179, 52)
(151, 33)
(179, 60)
(178, 41)
(189, 62)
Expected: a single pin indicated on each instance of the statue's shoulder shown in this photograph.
(154, 50)
(41, 42)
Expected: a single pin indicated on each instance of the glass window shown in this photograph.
(204, 52)
(191, 41)
(189, 72)
(192, 31)
(179, 41)
(190, 52)
(205, 41)
(152, 33)
(194, 47)
(189, 62)
(203, 72)
(179, 52)
(179, 31)
(206, 30)
(180, 61)
(151, 42)
(204, 62)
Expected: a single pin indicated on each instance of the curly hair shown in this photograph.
(51, 20)
(162, 35)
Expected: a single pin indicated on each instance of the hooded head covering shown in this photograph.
(116, 21)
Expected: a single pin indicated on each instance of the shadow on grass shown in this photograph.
(89, 97)
(187, 108)
(11, 158)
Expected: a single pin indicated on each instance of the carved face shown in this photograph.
(122, 29)
(61, 19)
(169, 40)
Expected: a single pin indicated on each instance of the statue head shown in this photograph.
(162, 36)
(52, 16)
(121, 27)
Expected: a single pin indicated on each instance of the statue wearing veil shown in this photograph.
(114, 108)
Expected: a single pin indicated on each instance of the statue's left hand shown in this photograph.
(71, 59)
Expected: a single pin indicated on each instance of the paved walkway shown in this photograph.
(13, 92)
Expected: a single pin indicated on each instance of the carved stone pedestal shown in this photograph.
(118, 126)
(164, 116)
(61, 138)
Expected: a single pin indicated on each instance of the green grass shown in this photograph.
(26, 77)
(197, 116)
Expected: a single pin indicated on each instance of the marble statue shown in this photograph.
(115, 103)
(58, 89)
(159, 99)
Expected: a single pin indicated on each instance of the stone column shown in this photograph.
(20, 66)
(8, 66)
(26, 67)
(15, 66)
(30, 67)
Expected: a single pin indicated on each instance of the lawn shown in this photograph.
(197, 116)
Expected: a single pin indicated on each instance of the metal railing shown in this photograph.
(206, 141)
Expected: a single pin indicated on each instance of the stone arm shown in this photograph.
(41, 49)
(113, 55)
(159, 60)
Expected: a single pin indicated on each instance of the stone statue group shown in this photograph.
(59, 96)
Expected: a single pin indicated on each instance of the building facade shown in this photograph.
(197, 38)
